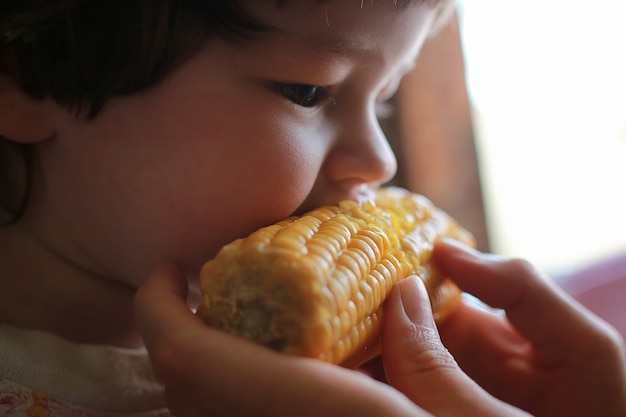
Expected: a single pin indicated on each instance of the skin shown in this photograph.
(214, 151)
(546, 354)
(210, 154)
(267, 383)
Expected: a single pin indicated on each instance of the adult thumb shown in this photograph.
(417, 364)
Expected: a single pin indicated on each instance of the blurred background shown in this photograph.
(547, 90)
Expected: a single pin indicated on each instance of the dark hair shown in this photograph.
(80, 53)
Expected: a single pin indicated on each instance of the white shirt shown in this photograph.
(44, 375)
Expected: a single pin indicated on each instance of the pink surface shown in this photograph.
(602, 289)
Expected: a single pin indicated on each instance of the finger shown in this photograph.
(418, 364)
(199, 366)
(412, 352)
(542, 312)
(490, 351)
(167, 287)
(209, 370)
(481, 339)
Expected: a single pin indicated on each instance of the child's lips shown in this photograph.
(359, 193)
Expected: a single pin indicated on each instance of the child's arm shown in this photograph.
(547, 354)
(208, 372)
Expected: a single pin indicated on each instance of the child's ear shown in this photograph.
(23, 118)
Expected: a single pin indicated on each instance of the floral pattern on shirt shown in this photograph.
(19, 401)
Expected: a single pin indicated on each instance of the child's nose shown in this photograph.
(361, 154)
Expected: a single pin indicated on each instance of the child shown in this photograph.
(140, 133)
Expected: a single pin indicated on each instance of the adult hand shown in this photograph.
(207, 372)
(546, 353)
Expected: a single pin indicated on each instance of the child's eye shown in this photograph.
(305, 95)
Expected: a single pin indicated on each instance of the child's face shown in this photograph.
(234, 139)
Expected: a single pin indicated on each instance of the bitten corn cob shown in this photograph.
(315, 285)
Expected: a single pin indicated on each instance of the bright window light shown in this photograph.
(547, 81)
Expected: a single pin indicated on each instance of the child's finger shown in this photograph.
(199, 366)
(206, 369)
(535, 306)
(167, 287)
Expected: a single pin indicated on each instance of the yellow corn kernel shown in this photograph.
(315, 285)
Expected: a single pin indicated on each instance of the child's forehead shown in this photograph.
(344, 27)
(324, 8)
(361, 3)
(323, 20)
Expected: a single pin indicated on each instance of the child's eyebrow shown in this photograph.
(344, 47)
(355, 49)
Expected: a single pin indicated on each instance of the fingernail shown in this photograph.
(414, 297)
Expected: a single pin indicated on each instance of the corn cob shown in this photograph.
(315, 285)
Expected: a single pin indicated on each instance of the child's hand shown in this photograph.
(207, 372)
(547, 355)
